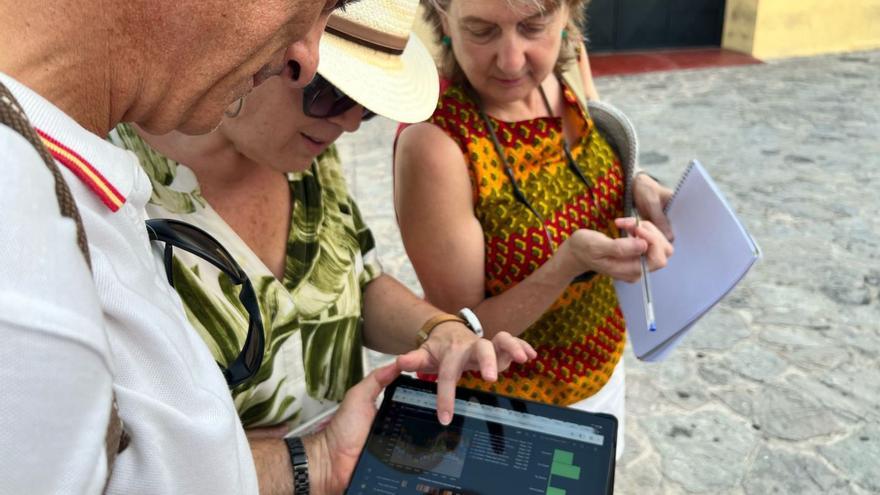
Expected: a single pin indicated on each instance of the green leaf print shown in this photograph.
(161, 171)
(312, 316)
(332, 356)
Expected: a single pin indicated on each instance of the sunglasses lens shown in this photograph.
(197, 241)
(254, 347)
(321, 99)
(321, 103)
(205, 242)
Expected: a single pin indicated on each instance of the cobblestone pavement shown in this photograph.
(777, 389)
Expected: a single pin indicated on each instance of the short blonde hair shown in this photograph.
(572, 43)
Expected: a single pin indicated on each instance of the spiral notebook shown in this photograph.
(713, 252)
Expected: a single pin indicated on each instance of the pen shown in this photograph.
(646, 285)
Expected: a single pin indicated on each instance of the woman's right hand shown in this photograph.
(618, 258)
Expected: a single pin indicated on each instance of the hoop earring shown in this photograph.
(446, 40)
(237, 111)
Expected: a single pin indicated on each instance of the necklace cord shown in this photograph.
(517, 191)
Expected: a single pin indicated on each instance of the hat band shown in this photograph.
(367, 36)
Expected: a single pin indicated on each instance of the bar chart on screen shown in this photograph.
(563, 473)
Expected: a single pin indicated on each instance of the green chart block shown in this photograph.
(562, 465)
(563, 457)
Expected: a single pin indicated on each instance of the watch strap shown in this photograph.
(432, 323)
(471, 321)
(300, 465)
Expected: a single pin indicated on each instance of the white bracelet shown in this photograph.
(471, 321)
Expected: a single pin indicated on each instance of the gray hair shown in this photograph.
(572, 44)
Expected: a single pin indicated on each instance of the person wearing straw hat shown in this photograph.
(268, 184)
(513, 178)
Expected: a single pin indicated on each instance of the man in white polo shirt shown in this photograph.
(68, 338)
(72, 338)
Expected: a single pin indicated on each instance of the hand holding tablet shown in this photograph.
(494, 445)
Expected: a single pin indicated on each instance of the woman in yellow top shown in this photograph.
(511, 203)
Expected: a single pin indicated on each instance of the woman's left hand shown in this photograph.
(650, 199)
(453, 349)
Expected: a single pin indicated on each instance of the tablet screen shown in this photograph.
(494, 445)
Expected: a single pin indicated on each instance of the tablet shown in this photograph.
(494, 445)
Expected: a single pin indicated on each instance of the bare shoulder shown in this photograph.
(430, 169)
(426, 149)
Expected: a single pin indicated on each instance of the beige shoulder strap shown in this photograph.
(571, 74)
(11, 115)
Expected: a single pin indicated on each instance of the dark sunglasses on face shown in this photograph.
(198, 242)
(321, 100)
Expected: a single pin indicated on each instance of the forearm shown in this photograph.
(274, 473)
(519, 307)
(393, 315)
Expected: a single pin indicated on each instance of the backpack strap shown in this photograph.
(614, 125)
(12, 116)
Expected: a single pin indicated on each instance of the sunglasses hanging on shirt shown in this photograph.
(198, 242)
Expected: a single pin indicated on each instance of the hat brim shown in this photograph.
(402, 87)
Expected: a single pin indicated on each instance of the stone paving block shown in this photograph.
(643, 395)
(641, 476)
(719, 330)
(818, 358)
(858, 456)
(741, 400)
(755, 362)
(680, 383)
(793, 305)
(862, 381)
(778, 471)
(796, 337)
(842, 402)
(705, 452)
(713, 373)
(790, 414)
(862, 341)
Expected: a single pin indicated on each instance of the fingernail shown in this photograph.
(445, 418)
(295, 68)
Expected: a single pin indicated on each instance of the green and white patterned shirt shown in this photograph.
(312, 317)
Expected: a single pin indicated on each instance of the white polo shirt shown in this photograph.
(185, 434)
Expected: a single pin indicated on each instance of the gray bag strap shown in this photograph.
(12, 116)
(614, 125)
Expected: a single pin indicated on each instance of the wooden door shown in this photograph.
(649, 24)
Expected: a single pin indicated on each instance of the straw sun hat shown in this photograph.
(370, 54)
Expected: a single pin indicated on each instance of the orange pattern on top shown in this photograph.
(580, 338)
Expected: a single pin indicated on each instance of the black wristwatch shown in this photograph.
(300, 464)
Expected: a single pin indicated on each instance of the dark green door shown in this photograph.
(646, 24)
